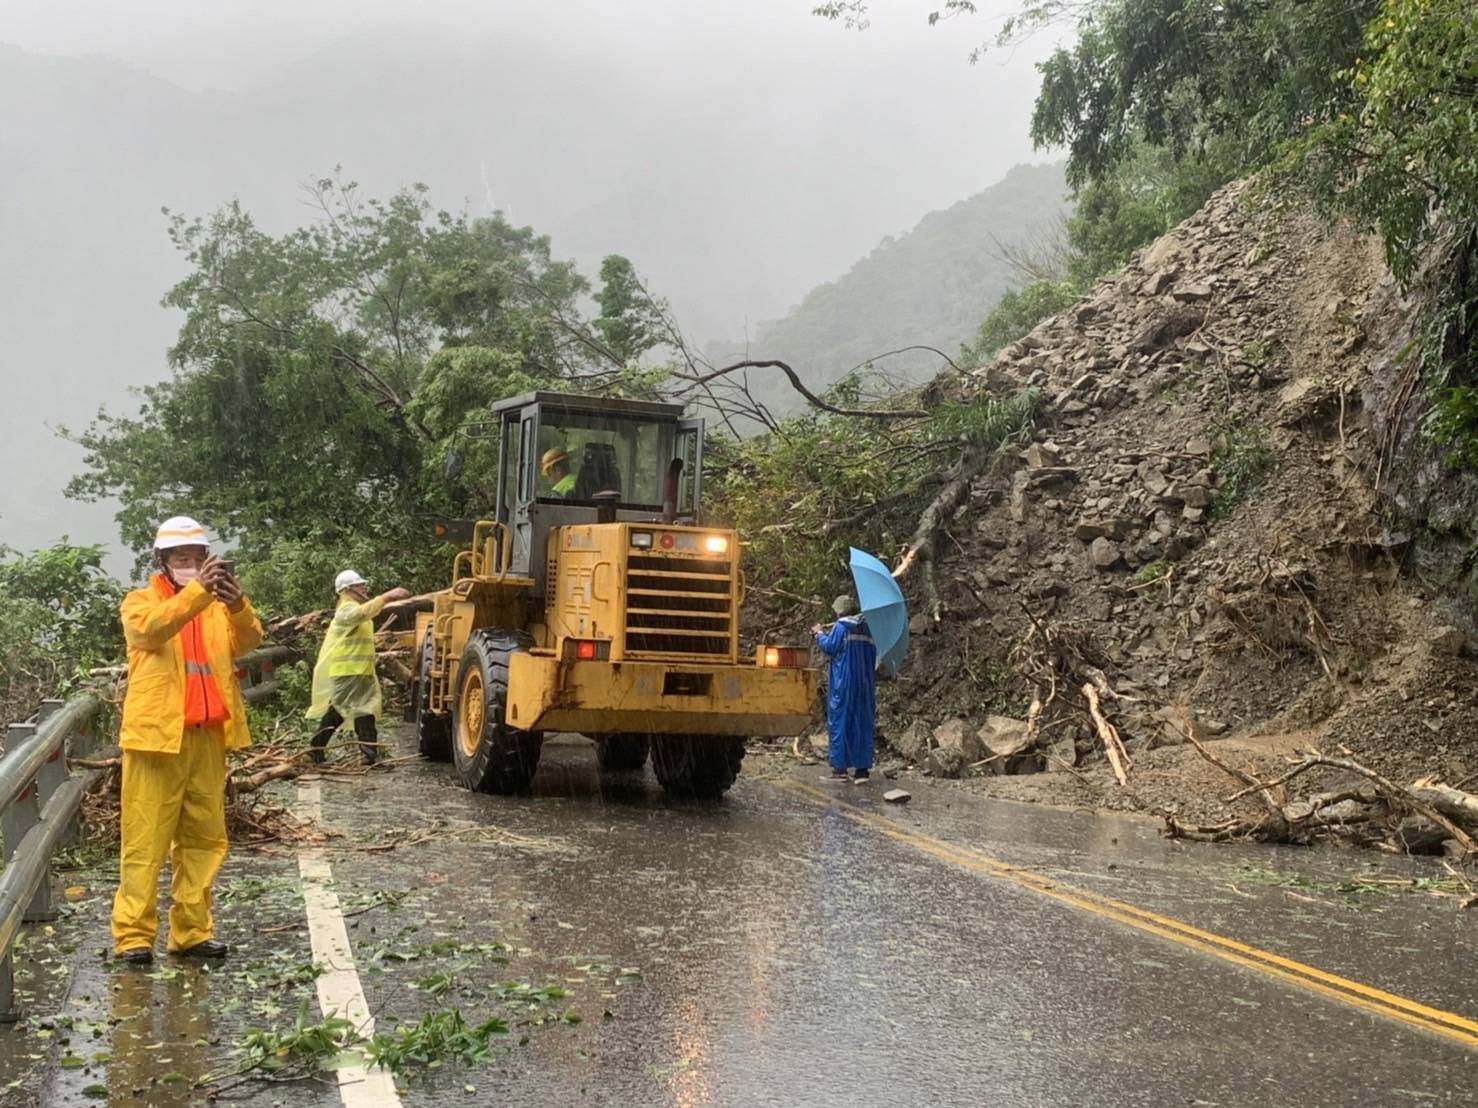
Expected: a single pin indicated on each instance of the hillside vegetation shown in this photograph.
(929, 286)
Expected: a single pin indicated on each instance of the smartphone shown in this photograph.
(229, 567)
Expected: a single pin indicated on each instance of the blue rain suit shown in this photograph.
(850, 692)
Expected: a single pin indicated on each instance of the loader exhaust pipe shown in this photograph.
(605, 506)
(669, 490)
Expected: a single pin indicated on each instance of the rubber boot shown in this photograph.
(316, 752)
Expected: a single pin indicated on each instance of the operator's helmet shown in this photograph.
(552, 457)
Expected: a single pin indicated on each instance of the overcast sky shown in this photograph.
(740, 151)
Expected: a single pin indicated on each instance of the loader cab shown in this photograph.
(562, 456)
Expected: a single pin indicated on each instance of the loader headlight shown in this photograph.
(716, 544)
(780, 657)
(642, 540)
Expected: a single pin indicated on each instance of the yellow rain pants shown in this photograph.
(175, 805)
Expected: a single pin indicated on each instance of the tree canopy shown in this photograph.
(321, 376)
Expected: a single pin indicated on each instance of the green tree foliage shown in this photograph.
(321, 377)
(802, 494)
(58, 616)
(1184, 73)
(1140, 198)
(1398, 154)
(631, 322)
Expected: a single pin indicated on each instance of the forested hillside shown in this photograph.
(930, 286)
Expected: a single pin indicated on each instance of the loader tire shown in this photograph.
(702, 767)
(491, 756)
(617, 753)
(433, 730)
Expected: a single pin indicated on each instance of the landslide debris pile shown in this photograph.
(1195, 544)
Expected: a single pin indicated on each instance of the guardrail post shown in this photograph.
(15, 820)
(24, 813)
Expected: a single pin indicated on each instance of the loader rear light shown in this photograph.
(716, 544)
(642, 540)
(780, 657)
(588, 650)
(666, 541)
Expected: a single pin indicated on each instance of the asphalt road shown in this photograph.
(796, 944)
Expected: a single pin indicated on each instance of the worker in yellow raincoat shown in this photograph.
(182, 711)
(345, 685)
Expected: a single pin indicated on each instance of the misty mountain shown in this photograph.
(929, 286)
(732, 196)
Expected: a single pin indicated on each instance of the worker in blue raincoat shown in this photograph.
(851, 700)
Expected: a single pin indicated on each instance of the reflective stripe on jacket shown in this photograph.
(344, 675)
(154, 703)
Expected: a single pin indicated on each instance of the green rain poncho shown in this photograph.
(344, 677)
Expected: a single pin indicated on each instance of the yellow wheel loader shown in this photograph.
(595, 602)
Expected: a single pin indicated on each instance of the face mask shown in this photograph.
(183, 577)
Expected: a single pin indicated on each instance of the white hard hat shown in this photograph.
(180, 531)
(348, 580)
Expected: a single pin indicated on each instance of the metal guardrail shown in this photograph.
(39, 800)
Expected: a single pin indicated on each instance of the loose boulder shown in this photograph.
(914, 741)
(960, 735)
(1008, 745)
(945, 761)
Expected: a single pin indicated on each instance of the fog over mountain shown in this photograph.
(739, 153)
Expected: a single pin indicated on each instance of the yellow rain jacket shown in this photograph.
(174, 786)
(344, 677)
(154, 704)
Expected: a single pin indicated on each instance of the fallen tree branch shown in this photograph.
(1113, 745)
(799, 386)
(1406, 796)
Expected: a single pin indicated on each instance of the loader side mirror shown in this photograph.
(455, 461)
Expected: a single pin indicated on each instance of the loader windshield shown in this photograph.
(602, 452)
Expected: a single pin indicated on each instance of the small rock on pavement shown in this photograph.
(1447, 640)
(918, 624)
(897, 796)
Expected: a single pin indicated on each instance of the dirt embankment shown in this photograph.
(1203, 529)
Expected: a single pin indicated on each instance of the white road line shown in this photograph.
(339, 990)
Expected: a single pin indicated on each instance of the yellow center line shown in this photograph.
(1450, 1025)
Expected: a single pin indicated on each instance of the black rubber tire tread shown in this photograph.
(433, 731)
(506, 757)
(702, 767)
(619, 753)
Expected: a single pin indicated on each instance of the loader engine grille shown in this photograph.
(679, 607)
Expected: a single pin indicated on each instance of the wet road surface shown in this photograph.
(791, 946)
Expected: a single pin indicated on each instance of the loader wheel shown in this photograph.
(614, 753)
(490, 756)
(433, 730)
(699, 766)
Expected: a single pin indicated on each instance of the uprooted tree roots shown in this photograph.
(1360, 807)
(1070, 692)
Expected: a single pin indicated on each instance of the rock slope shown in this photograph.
(1199, 531)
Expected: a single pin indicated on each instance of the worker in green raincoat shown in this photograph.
(345, 685)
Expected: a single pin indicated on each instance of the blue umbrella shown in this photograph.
(883, 607)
